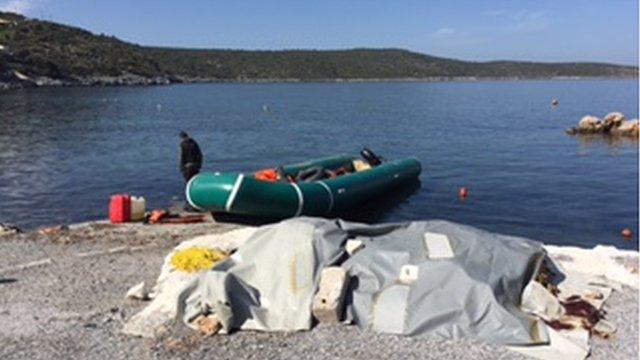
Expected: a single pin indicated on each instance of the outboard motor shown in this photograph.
(370, 157)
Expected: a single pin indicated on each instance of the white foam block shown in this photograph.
(408, 274)
(438, 246)
(328, 301)
(353, 245)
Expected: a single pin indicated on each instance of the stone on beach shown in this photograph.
(138, 292)
(208, 325)
(51, 230)
(7, 229)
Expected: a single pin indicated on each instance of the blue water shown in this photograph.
(64, 151)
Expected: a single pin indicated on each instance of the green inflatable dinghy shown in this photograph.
(244, 194)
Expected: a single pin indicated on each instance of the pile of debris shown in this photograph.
(614, 123)
(432, 278)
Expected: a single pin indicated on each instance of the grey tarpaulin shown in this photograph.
(476, 294)
(268, 284)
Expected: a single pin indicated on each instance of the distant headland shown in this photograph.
(42, 53)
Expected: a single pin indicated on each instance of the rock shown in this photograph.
(627, 128)
(614, 119)
(328, 301)
(589, 123)
(614, 123)
(208, 325)
(47, 81)
(53, 230)
(138, 292)
(8, 229)
(604, 329)
(175, 345)
(21, 76)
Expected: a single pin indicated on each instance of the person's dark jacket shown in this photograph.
(190, 155)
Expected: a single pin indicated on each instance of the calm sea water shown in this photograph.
(63, 152)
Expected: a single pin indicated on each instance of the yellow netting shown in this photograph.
(196, 259)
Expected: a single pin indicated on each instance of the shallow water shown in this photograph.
(63, 152)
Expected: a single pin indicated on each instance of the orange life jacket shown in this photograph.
(266, 175)
(157, 215)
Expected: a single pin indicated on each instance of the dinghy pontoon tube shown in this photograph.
(242, 194)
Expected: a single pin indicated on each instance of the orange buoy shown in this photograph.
(627, 233)
(463, 193)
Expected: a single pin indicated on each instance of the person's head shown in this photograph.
(183, 135)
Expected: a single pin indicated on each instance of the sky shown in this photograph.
(536, 30)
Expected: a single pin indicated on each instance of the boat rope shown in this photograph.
(234, 192)
(188, 194)
(300, 199)
(330, 195)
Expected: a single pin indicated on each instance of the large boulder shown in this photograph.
(589, 124)
(614, 119)
(611, 121)
(627, 128)
(614, 123)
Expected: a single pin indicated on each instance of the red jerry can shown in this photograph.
(120, 208)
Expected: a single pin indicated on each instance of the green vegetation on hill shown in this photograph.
(359, 64)
(41, 48)
(45, 49)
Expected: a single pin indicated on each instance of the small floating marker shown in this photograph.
(265, 108)
(627, 233)
(463, 193)
(555, 102)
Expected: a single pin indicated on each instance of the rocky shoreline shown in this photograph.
(62, 295)
(17, 80)
(21, 81)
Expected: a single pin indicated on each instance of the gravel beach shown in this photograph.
(72, 306)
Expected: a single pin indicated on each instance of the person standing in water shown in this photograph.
(190, 157)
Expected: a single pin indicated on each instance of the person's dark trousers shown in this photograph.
(189, 171)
